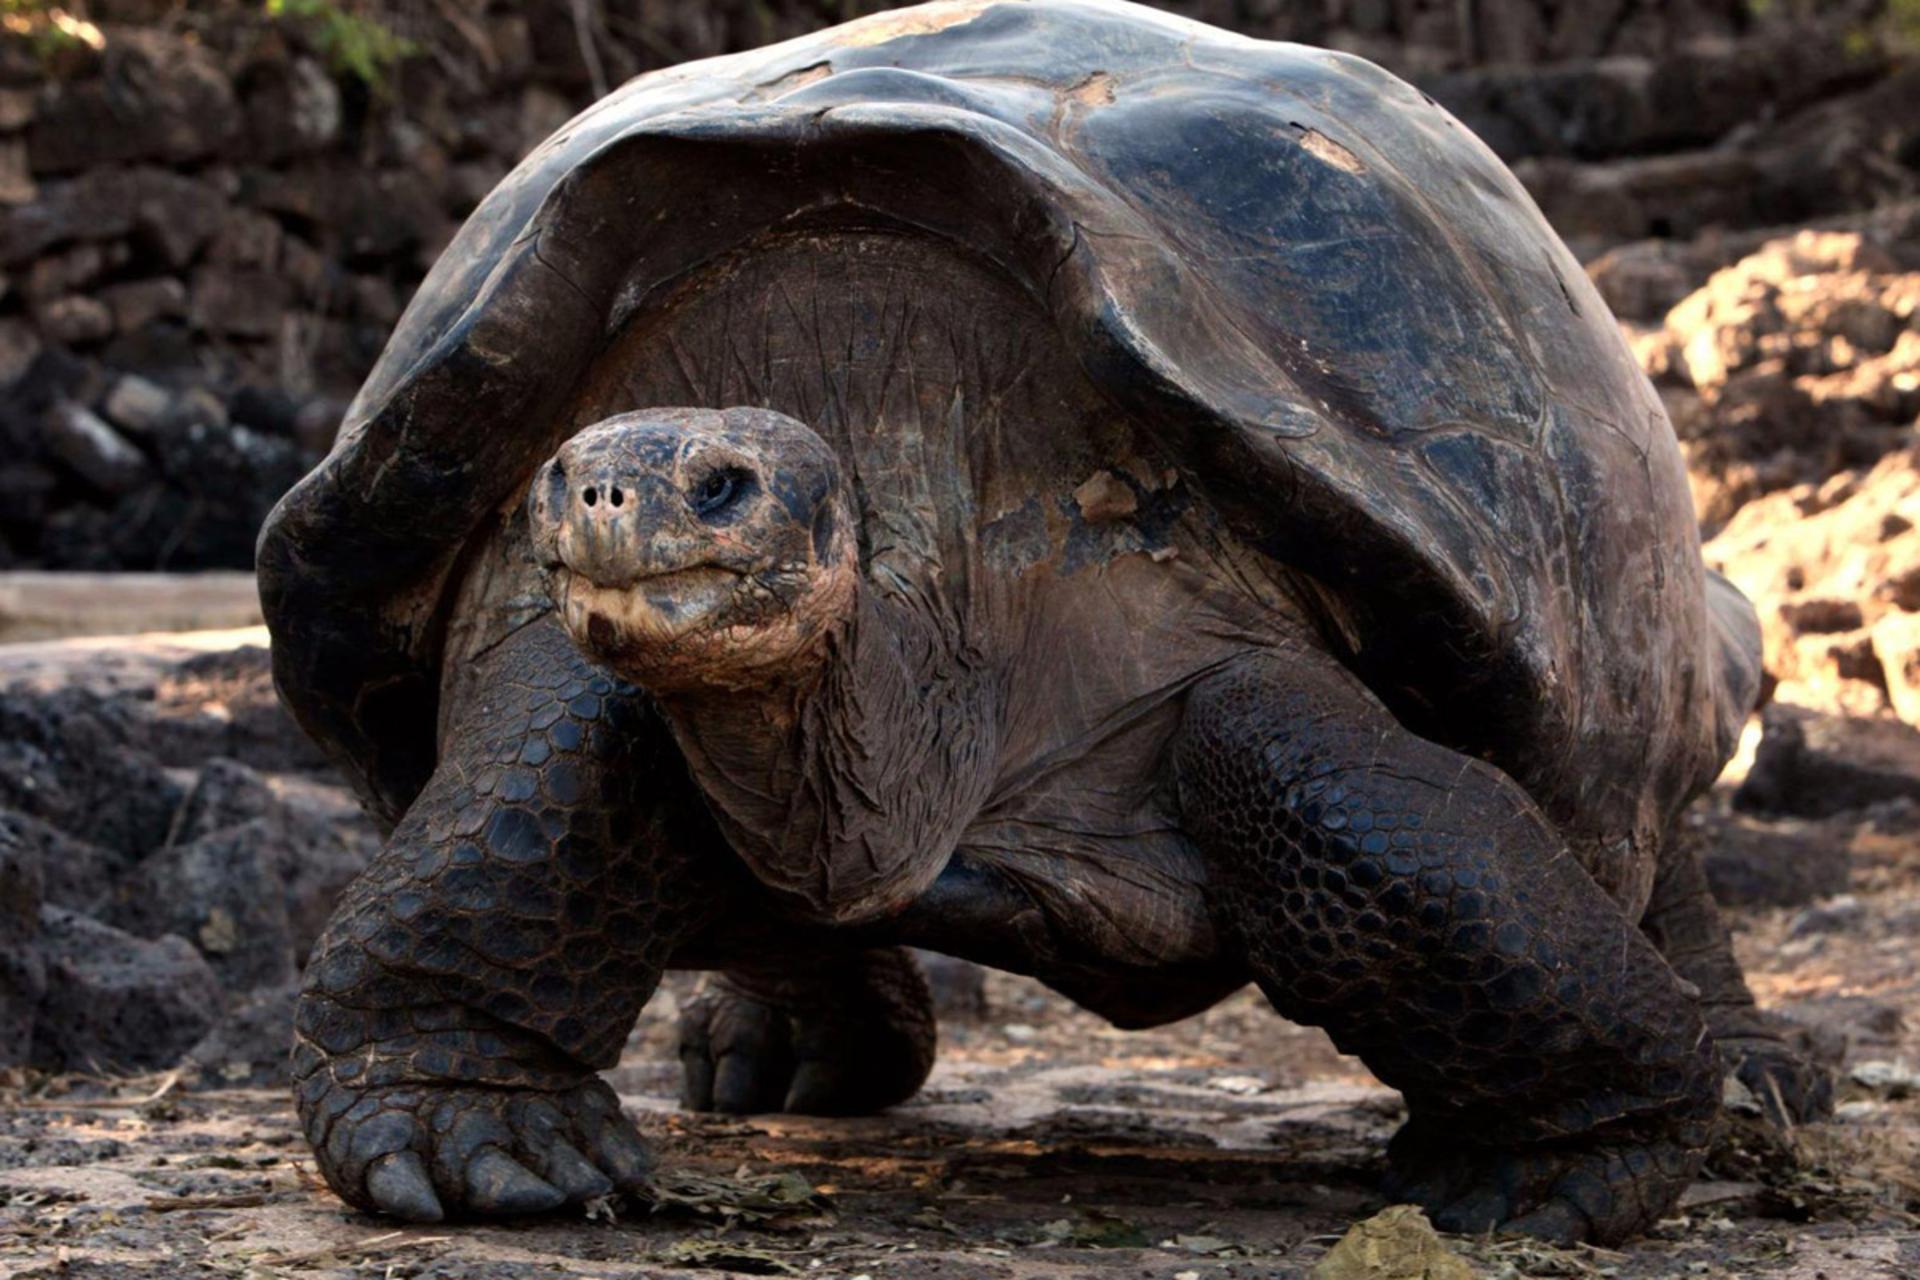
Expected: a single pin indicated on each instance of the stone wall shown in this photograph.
(211, 213)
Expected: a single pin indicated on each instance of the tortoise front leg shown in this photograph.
(1415, 903)
(497, 951)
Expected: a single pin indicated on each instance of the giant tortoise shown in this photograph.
(1049, 483)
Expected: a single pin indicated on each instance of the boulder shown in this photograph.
(246, 239)
(70, 758)
(19, 344)
(1597, 108)
(266, 409)
(250, 1046)
(1815, 766)
(222, 704)
(136, 405)
(310, 839)
(222, 892)
(158, 96)
(1896, 647)
(16, 173)
(75, 320)
(22, 970)
(1778, 862)
(230, 475)
(1859, 1023)
(1843, 913)
(292, 109)
(1597, 205)
(26, 492)
(65, 271)
(238, 302)
(1834, 571)
(366, 214)
(94, 451)
(16, 109)
(72, 873)
(135, 304)
(1643, 280)
(173, 213)
(117, 1003)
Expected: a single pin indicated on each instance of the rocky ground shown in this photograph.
(1231, 1145)
(145, 1134)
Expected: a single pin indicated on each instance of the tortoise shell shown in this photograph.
(1328, 303)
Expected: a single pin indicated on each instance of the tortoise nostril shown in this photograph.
(616, 497)
(589, 495)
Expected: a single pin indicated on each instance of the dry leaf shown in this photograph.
(1398, 1243)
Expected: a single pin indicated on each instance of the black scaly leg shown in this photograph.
(1416, 904)
(1772, 1057)
(832, 1033)
(497, 951)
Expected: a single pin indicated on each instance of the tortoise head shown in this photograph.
(697, 548)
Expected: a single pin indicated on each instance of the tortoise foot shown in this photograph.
(849, 1038)
(1782, 1064)
(1599, 1189)
(425, 1153)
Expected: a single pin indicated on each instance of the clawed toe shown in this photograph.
(427, 1154)
(399, 1186)
(574, 1175)
(735, 1055)
(1598, 1189)
(621, 1155)
(499, 1184)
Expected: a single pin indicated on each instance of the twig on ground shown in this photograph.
(237, 1200)
(166, 1086)
(388, 1243)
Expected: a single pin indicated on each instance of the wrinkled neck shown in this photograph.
(848, 789)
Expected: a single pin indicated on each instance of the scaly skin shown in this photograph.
(839, 1033)
(1416, 904)
(1766, 1053)
(496, 952)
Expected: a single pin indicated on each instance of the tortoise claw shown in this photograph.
(425, 1154)
(618, 1151)
(574, 1175)
(399, 1185)
(497, 1183)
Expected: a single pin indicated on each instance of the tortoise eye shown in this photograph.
(720, 490)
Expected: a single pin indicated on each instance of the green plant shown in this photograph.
(55, 35)
(354, 44)
(1903, 24)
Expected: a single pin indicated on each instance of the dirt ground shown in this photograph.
(1047, 1145)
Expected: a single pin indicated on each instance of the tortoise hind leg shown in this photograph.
(837, 1032)
(1767, 1053)
(1416, 904)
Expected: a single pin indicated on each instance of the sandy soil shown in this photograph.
(1047, 1145)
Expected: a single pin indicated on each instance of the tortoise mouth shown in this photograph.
(658, 606)
(650, 581)
(700, 626)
